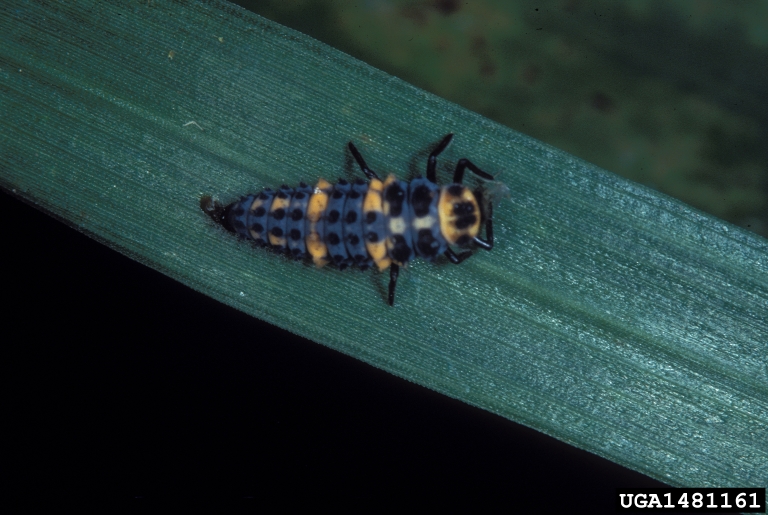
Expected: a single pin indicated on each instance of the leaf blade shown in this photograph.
(608, 316)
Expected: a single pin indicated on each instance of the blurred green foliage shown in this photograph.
(669, 94)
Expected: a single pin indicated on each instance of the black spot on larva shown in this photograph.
(338, 194)
(351, 217)
(463, 208)
(297, 253)
(299, 196)
(239, 211)
(259, 211)
(364, 266)
(372, 237)
(354, 239)
(276, 231)
(278, 214)
(263, 196)
(359, 181)
(295, 234)
(420, 200)
(465, 221)
(342, 182)
(426, 243)
(297, 214)
(456, 190)
(338, 258)
(395, 195)
(333, 216)
(354, 194)
(463, 240)
(333, 238)
(302, 184)
(238, 224)
(359, 258)
(282, 193)
(370, 217)
(400, 252)
(257, 227)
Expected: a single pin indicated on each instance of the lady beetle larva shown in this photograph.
(384, 223)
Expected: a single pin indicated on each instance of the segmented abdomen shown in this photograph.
(360, 224)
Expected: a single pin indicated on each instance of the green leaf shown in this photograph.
(608, 316)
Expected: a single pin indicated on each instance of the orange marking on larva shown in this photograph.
(278, 203)
(318, 203)
(372, 200)
(448, 218)
(373, 203)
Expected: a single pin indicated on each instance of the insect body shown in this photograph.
(385, 223)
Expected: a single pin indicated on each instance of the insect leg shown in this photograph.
(458, 175)
(456, 259)
(360, 161)
(487, 243)
(394, 271)
(432, 161)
